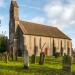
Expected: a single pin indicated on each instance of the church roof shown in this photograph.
(29, 28)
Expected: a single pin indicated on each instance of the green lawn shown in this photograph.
(52, 66)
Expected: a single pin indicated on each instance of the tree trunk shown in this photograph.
(42, 56)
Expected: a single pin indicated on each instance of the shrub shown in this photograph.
(3, 44)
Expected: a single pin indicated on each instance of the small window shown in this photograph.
(40, 43)
(68, 44)
(54, 48)
(46, 51)
(35, 47)
(64, 44)
(68, 51)
(61, 49)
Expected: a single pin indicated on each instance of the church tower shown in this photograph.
(13, 24)
(14, 15)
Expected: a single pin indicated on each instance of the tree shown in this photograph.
(42, 55)
(3, 43)
(4, 47)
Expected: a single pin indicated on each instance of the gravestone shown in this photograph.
(67, 63)
(73, 57)
(6, 56)
(26, 59)
(33, 59)
(42, 56)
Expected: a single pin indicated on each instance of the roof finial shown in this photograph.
(13, 0)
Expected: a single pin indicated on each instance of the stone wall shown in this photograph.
(47, 42)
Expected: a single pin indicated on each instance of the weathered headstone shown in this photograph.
(26, 59)
(42, 56)
(67, 63)
(73, 57)
(33, 59)
(6, 57)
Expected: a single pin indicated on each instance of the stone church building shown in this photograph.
(35, 37)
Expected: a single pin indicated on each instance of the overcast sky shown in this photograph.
(58, 13)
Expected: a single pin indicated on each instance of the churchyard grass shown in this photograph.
(52, 66)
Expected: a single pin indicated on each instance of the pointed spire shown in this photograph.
(14, 3)
(13, 0)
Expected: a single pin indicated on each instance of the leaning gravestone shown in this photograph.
(42, 56)
(67, 63)
(26, 59)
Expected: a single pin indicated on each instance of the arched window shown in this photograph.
(64, 44)
(68, 49)
(68, 44)
(34, 41)
(54, 48)
(35, 47)
(61, 49)
(46, 51)
(40, 43)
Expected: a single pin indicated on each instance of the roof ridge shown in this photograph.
(38, 24)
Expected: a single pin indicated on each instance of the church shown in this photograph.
(35, 37)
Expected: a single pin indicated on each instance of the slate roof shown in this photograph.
(29, 28)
